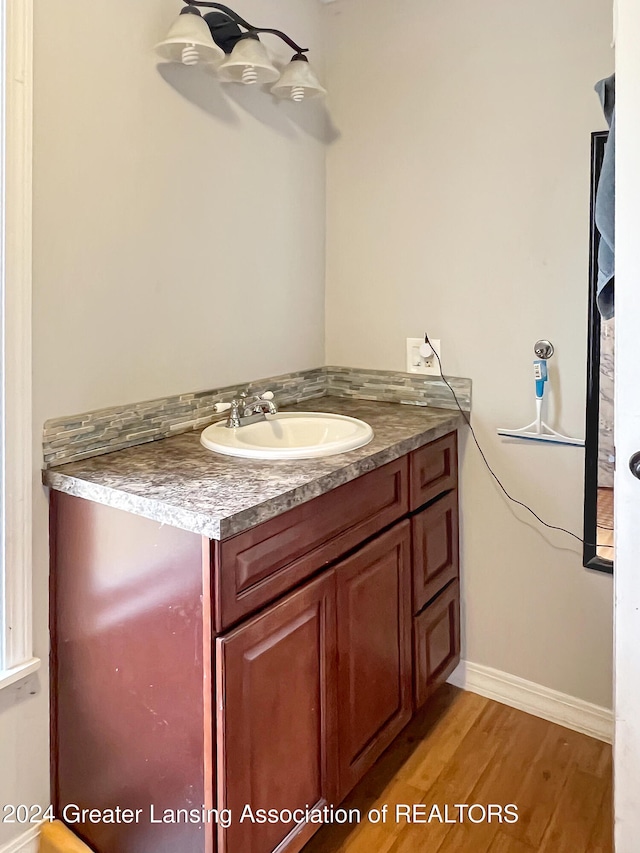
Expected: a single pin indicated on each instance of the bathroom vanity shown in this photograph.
(262, 658)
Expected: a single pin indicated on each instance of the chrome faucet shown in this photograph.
(248, 410)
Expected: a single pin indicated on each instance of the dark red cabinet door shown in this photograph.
(435, 549)
(436, 642)
(276, 709)
(374, 651)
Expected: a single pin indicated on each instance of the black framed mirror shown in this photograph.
(598, 470)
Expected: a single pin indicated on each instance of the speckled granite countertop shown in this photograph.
(176, 481)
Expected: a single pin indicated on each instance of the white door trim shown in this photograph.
(627, 433)
(17, 120)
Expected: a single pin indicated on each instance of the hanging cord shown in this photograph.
(493, 473)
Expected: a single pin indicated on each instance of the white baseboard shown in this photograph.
(576, 714)
(25, 843)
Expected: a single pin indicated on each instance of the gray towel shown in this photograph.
(605, 202)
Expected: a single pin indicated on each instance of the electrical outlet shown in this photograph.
(417, 363)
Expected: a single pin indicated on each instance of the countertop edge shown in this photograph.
(225, 527)
(162, 512)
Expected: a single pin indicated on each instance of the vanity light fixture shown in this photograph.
(230, 44)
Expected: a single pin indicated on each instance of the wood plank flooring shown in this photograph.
(467, 749)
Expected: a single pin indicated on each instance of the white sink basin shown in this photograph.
(289, 435)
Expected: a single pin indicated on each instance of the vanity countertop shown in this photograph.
(176, 481)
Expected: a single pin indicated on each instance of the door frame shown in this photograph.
(16, 135)
(627, 432)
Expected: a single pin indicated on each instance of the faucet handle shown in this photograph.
(244, 396)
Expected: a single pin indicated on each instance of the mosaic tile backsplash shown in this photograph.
(390, 387)
(94, 433)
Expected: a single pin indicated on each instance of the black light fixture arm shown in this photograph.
(247, 26)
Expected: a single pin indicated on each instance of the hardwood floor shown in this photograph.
(464, 750)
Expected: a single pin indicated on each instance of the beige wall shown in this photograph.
(179, 225)
(458, 203)
(178, 245)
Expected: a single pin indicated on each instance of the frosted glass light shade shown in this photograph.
(190, 41)
(248, 63)
(298, 82)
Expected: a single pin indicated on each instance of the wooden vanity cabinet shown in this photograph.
(305, 644)
(313, 690)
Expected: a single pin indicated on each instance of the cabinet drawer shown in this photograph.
(436, 643)
(434, 470)
(434, 533)
(258, 566)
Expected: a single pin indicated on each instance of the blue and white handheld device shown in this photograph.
(539, 430)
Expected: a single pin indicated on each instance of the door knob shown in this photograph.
(634, 465)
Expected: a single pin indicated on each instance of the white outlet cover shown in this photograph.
(416, 363)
